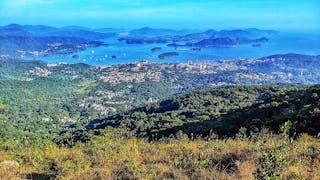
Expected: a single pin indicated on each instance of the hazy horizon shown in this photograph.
(179, 14)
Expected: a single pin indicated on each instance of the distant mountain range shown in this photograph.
(192, 34)
(44, 31)
(44, 40)
(147, 32)
(19, 40)
(209, 38)
(30, 45)
(225, 42)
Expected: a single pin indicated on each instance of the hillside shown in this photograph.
(204, 119)
(224, 111)
(106, 152)
(102, 91)
(209, 38)
(47, 31)
(17, 40)
(82, 92)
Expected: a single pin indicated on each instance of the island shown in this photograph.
(256, 45)
(168, 55)
(156, 49)
(75, 56)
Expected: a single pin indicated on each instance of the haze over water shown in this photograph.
(178, 14)
(278, 44)
(297, 21)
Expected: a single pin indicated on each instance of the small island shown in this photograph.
(195, 49)
(168, 55)
(256, 45)
(75, 56)
(156, 49)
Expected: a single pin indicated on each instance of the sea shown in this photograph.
(119, 52)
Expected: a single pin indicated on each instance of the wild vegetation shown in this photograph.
(112, 155)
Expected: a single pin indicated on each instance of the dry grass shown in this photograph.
(113, 157)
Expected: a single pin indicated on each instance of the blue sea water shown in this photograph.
(303, 43)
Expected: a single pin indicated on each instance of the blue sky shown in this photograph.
(178, 14)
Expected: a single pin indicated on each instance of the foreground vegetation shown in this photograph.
(111, 155)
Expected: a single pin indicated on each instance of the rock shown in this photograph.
(9, 169)
(7, 164)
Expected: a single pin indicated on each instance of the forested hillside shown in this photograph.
(224, 111)
(61, 93)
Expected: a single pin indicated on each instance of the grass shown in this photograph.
(113, 156)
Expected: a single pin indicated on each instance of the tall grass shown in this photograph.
(113, 156)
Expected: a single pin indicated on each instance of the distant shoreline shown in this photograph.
(204, 61)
